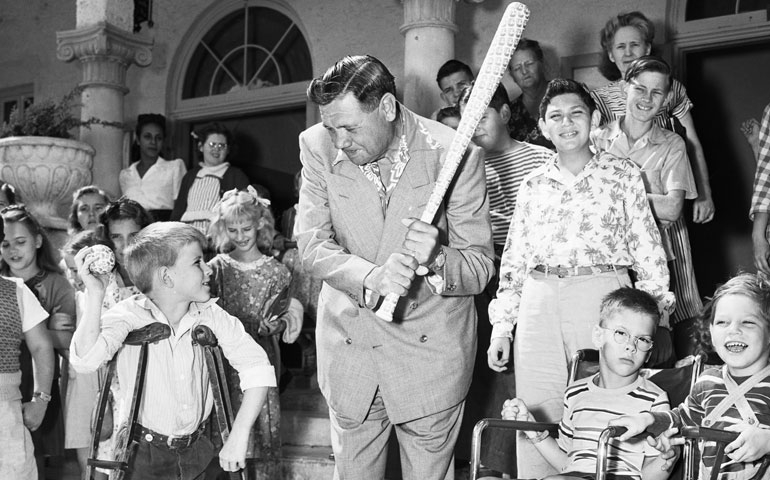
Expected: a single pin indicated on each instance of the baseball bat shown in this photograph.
(506, 38)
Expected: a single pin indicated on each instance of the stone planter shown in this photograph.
(46, 171)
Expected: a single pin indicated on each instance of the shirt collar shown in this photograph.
(145, 302)
(612, 131)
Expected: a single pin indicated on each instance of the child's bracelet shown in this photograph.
(539, 437)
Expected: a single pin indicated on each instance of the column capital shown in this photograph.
(105, 52)
(430, 13)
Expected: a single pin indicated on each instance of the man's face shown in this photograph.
(645, 94)
(452, 86)
(363, 136)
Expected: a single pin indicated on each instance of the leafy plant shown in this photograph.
(49, 119)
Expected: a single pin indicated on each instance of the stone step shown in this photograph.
(306, 400)
(307, 463)
(301, 428)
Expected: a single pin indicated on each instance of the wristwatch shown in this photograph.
(44, 397)
(437, 265)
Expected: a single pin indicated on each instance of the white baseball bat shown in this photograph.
(506, 38)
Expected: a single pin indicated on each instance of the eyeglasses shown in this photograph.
(217, 146)
(644, 344)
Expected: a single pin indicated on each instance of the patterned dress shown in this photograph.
(246, 291)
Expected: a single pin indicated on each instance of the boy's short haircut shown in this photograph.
(628, 298)
(755, 286)
(499, 98)
(158, 245)
(649, 63)
(564, 86)
(450, 67)
(448, 112)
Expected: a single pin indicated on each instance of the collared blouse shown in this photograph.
(159, 186)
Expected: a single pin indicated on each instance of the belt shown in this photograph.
(143, 434)
(562, 272)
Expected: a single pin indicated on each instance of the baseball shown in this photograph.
(105, 260)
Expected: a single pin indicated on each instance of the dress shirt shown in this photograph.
(158, 188)
(760, 199)
(599, 217)
(177, 395)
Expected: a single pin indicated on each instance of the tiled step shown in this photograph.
(310, 429)
(304, 400)
(307, 463)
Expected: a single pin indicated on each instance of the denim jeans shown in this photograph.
(153, 462)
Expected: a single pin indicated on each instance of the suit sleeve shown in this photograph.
(469, 263)
(320, 254)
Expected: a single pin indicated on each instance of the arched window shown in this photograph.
(245, 64)
(253, 47)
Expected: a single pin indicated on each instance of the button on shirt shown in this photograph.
(177, 395)
(159, 186)
(601, 216)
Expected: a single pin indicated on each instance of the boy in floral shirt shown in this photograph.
(582, 221)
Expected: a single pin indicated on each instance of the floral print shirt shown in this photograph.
(601, 217)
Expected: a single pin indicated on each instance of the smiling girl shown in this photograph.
(27, 254)
(203, 186)
(247, 281)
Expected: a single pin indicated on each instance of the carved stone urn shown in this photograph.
(46, 172)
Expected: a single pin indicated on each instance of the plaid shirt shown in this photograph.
(760, 199)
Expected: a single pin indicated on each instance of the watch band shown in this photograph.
(437, 265)
(46, 397)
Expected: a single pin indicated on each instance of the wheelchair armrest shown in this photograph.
(709, 434)
(482, 425)
(602, 451)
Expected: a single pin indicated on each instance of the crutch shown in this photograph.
(223, 409)
(125, 444)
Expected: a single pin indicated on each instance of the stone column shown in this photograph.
(429, 41)
(105, 52)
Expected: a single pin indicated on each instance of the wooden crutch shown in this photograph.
(223, 409)
(125, 444)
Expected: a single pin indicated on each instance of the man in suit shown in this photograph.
(368, 170)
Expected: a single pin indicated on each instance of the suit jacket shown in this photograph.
(422, 361)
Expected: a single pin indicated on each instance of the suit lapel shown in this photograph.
(359, 207)
(408, 200)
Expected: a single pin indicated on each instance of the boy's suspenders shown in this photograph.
(736, 395)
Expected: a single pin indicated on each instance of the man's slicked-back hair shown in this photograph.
(628, 298)
(158, 245)
(450, 67)
(563, 86)
(367, 78)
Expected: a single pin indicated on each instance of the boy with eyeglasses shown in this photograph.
(624, 337)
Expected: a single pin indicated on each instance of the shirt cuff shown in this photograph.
(91, 361)
(502, 330)
(258, 376)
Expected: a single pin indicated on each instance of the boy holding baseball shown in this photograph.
(166, 263)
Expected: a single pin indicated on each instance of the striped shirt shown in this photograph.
(177, 394)
(505, 171)
(707, 393)
(760, 198)
(587, 410)
(611, 102)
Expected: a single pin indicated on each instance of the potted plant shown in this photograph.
(39, 157)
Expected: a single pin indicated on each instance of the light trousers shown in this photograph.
(556, 318)
(426, 444)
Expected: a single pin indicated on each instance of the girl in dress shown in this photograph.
(87, 204)
(247, 282)
(152, 180)
(203, 186)
(83, 388)
(27, 254)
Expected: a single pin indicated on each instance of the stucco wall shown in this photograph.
(333, 28)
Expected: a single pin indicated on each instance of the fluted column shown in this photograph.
(105, 52)
(429, 41)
